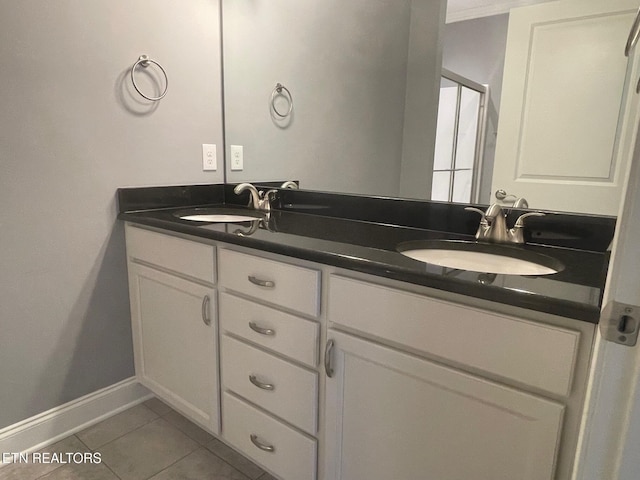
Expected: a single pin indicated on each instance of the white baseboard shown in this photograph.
(59, 422)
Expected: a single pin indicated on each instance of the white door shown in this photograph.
(562, 141)
(611, 435)
(391, 415)
(175, 342)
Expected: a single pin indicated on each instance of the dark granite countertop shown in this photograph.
(370, 247)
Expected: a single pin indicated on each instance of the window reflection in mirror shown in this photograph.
(459, 147)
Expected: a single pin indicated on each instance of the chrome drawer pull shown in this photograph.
(260, 282)
(264, 386)
(327, 358)
(261, 330)
(261, 446)
(205, 310)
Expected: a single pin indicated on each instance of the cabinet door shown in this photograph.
(174, 333)
(569, 112)
(393, 415)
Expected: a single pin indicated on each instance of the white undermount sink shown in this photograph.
(216, 215)
(481, 257)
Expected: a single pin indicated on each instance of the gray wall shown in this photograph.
(423, 90)
(71, 132)
(475, 49)
(350, 67)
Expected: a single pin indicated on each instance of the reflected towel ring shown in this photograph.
(144, 61)
(278, 91)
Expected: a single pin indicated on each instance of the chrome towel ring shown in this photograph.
(277, 91)
(144, 61)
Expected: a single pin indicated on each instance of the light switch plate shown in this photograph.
(237, 157)
(209, 157)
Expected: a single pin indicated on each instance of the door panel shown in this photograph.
(566, 100)
(392, 415)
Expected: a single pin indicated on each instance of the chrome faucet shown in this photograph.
(260, 200)
(493, 225)
(289, 184)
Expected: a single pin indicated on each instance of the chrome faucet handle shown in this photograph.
(520, 221)
(254, 198)
(265, 199)
(477, 210)
(270, 193)
(516, 234)
(482, 228)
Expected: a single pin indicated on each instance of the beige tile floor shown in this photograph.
(147, 442)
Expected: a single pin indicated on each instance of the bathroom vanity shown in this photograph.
(327, 359)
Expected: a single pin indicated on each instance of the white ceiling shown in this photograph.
(458, 10)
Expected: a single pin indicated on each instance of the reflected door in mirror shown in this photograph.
(567, 104)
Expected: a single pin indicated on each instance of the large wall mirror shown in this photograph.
(379, 97)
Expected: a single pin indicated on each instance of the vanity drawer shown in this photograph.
(534, 354)
(289, 286)
(291, 392)
(191, 259)
(281, 332)
(293, 455)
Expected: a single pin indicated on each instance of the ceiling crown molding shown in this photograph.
(459, 10)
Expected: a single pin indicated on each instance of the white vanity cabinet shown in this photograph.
(269, 358)
(421, 388)
(406, 386)
(173, 313)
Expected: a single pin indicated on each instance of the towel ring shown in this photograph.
(278, 91)
(144, 61)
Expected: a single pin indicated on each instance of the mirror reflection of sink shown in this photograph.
(217, 215)
(481, 257)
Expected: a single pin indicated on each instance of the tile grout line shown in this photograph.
(109, 468)
(199, 445)
(61, 465)
(185, 433)
(111, 441)
(232, 465)
(158, 417)
(82, 442)
(235, 467)
(45, 474)
(179, 459)
(101, 462)
(127, 433)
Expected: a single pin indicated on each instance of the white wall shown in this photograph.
(71, 132)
